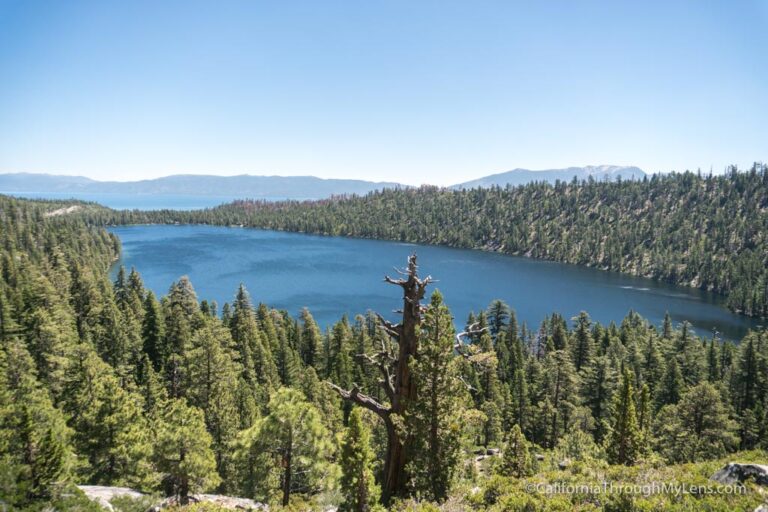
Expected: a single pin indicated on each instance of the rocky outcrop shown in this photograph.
(228, 502)
(104, 495)
(734, 473)
(63, 211)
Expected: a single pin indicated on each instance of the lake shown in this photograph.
(140, 201)
(333, 276)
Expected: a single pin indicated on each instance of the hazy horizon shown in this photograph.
(299, 175)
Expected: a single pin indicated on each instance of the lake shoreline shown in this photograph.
(633, 292)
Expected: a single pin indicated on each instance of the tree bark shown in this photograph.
(183, 480)
(287, 475)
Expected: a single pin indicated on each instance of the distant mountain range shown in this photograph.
(244, 186)
(270, 187)
(522, 176)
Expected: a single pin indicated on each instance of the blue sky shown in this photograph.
(410, 91)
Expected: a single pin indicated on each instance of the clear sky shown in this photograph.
(411, 91)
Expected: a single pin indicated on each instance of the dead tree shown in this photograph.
(396, 380)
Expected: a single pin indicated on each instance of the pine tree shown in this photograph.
(560, 387)
(498, 316)
(434, 419)
(111, 432)
(51, 333)
(121, 285)
(326, 401)
(339, 366)
(516, 459)
(653, 365)
(644, 413)
(745, 377)
(624, 443)
(311, 340)
(48, 466)
(492, 428)
(213, 388)
(358, 486)
(520, 399)
(267, 326)
(672, 385)
(137, 292)
(183, 451)
(254, 352)
(85, 298)
(338, 363)
(364, 344)
(582, 342)
(150, 386)
(696, 428)
(153, 332)
(182, 317)
(489, 398)
(713, 362)
(599, 385)
(248, 404)
(541, 341)
(35, 448)
(113, 340)
(666, 330)
(559, 332)
(287, 361)
(753, 427)
(226, 314)
(689, 356)
(286, 452)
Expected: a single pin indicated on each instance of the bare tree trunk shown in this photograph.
(398, 387)
(184, 481)
(287, 475)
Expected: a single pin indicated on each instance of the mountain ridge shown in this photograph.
(245, 185)
(521, 176)
(287, 187)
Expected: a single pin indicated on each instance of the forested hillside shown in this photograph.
(709, 232)
(104, 383)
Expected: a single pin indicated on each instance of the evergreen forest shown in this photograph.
(104, 383)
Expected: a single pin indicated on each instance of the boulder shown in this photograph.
(493, 452)
(737, 473)
(564, 464)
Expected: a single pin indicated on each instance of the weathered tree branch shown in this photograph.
(394, 330)
(386, 381)
(460, 346)
(399, 282)
(362, 400)
(469, 386)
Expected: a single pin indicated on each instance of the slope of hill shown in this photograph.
(187, 184)
(524, 176)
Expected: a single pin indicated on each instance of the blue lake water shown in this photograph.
(333, 276)
(138, 201)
